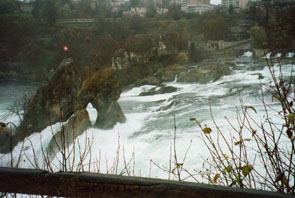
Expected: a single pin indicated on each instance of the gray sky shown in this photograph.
(215, 2)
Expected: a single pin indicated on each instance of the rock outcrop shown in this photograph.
(204, 73)
(200, 74)
(53, 102)
(141, 49)
(103, 90)
(76, 125)
(66, 95)
(169, 73)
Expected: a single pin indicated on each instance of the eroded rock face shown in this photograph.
(54, 102)
(102, 89)
(142, 48)
(200, 74)
(204, 73)
(169, 73)
(76, 125)
(65, 95)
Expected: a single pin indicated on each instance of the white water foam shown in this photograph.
(290, 55)
(278, 55)
(248, 54)
(148, 131)
(92, 113)
(137, 90)
(267, 55)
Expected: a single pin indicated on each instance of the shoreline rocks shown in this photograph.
(202, 73)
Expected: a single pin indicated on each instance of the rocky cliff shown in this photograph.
(66, 95)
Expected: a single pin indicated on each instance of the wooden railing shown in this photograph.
(39, 182)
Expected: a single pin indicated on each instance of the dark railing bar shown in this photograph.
(69, 184)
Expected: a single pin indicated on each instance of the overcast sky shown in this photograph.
(215, 2)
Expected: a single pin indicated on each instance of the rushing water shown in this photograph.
(148, 133)
(12, 95)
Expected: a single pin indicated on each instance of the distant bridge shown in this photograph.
(71, 21)
(243, 44)
(75, 21)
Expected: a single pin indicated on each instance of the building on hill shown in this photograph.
(115, 4)
(138, 11)
(234, 3)
(161, 10)
(152, 2)
(196, 6)
(26, 7)
(179, 2)
(187, 2)
(190, 2)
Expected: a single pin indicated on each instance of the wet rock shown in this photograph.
(53, 102)
(65, 95)
(200, 74)
(151, 80)
(204, 73)
(76, 125)
(260, 76)
(5, 136)
(169, 73)
(159, 90)
(102, 89)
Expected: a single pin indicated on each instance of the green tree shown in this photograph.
(215, 27)
(37, 6)
(7, 6)
(137, 24)
(258, 36)
(174, 12)
(46, 10)
(165, 3)
(231, 9)
(134, 3)
(49, 12)
(85, 8)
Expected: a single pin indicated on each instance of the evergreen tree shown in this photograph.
(7, 6)
(37, 8)
(134, 3)
(231, 9)
(49, 12)
(258, 36)
(165, 3)
(174, 11)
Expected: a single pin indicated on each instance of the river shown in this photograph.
(147, 137)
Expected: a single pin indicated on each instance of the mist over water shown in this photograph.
(148, 132)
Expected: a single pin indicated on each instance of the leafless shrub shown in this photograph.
(268, 163)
